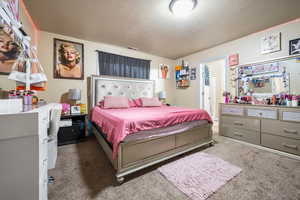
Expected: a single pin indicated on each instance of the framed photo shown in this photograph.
(295, 46)
(164, 71)
(193, 74)
(271, 43)
(75, 109)
(9, 49)
(68, 60)
(233, 60)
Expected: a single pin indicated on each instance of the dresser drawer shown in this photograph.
(286, 129)
(262, 113)
(290, 116)
(242, 134)
(281, 143)
(240, 122)
(232, 110)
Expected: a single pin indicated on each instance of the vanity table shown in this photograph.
(274, 127)
(23, 153)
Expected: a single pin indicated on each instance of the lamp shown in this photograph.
(74, 94)
(162, 95)
(182, 7)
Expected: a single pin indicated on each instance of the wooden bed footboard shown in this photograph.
(139, 154)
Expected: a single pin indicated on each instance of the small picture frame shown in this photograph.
(271, 43)
(295, 46)
(233, 60)
(75, 109)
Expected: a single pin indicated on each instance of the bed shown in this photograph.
(147, 147)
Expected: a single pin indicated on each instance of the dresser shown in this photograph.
(275, 127)
(23, 154)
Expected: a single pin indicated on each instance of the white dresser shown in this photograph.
(23, 154)
(275, 127)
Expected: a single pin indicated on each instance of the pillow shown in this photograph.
(101, 104)
(131, 103)
(150, 102)
(116, 102)
(138, 102)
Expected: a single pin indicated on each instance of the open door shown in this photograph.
(212, 86)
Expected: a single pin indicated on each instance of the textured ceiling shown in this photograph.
(149, 26)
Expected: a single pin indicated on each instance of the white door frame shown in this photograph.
(201, 80)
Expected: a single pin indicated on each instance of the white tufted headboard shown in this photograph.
(100, 86)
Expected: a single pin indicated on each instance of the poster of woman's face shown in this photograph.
(68, 60)
(9, 49)
(164, 71)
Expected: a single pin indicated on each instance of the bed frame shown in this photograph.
(139, 154)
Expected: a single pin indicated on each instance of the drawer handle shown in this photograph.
(290, 131)
(238, 123)
(290, 146)
(238, 134)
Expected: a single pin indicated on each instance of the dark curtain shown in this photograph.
(117, 65)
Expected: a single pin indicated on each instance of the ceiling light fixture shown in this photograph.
(182, 8)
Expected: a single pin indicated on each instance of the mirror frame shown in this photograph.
(260, 63)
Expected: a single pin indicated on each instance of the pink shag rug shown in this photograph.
(199, 175)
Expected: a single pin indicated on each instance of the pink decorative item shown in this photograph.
(65, 108)
(226, 97)
(116, 102)
(138, 102)
(199, 175)
(150, 102)
(233, 60)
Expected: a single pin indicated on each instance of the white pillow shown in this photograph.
(116, 102)
(150, 102)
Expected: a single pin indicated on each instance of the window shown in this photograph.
(117, 65)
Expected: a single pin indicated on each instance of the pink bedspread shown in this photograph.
(118, 123)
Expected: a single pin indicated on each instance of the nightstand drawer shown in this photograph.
(68, 135)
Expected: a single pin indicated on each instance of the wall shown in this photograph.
(249, 51)
(57, 87)
(30, 28)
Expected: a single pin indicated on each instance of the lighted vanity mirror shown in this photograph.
(269, 78)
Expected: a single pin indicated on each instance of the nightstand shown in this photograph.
(73, 130)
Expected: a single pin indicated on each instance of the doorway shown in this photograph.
(212, 86)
